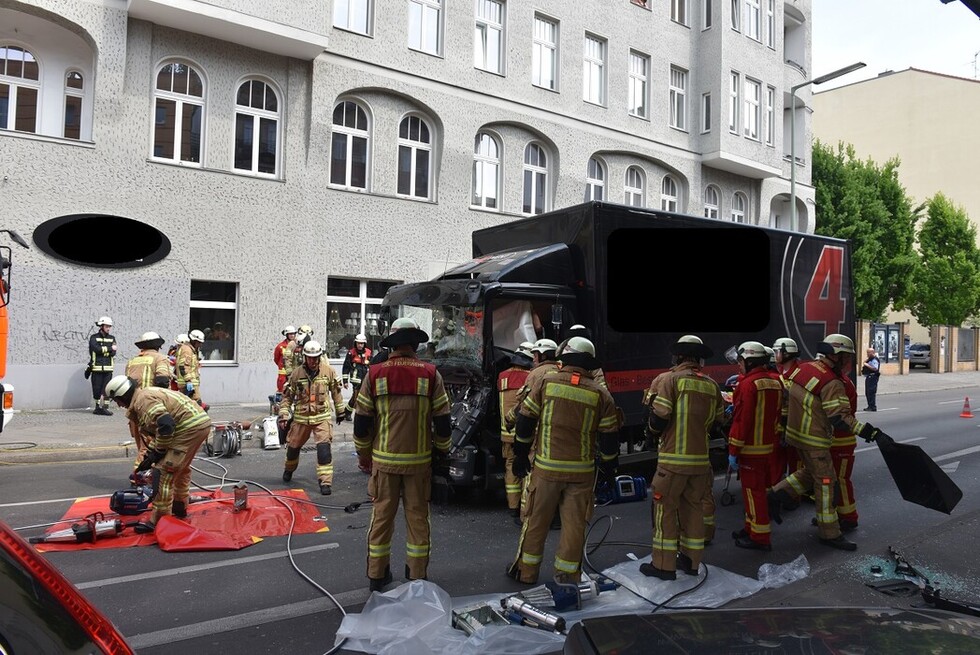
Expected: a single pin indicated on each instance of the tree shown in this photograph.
(946, 282)
(866, 204)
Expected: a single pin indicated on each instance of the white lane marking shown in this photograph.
(958, 453)
(949, 402)
(951, 468)
(201, 567)
(77, 498)
(867, 448)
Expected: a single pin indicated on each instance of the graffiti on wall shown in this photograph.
(69, 337)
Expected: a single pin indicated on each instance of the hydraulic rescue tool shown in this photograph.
(129, 502)
(95, 526)
(521, 611)
(622, 489)
(568, 596)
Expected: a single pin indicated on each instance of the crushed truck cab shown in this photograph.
(536, 277)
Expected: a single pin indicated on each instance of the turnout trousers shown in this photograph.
(322, 433)
(175, 472)
(678, 516)
(413, 490)
(512, 484)
(573, 500)
(843, 460)
(817, 476)
(755, 473)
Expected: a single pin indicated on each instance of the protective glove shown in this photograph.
(608, 468)
(151, 457)
(733, 462)
(522, 459)
(440, 464)
(650, 439)
(88, 371)
(343, 416)
(869, 432)
(365, 463)
(189, 387)
(143, 527)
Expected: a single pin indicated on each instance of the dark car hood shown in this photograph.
(847, 631)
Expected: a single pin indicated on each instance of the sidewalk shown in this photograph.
(75, 434)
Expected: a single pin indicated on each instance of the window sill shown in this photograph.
(487, 210)
(354, 32)
(218, 363)
(438, 55)
(197, 167)
(594, 104)
(490, 72)
(31, 136)
(679, 129)
(640, 117)
(544, 88)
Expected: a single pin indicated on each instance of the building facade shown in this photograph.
(299, 157)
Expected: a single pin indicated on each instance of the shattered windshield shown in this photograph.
(455, 333)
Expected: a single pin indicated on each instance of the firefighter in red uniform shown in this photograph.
(818, 403)
(685, 406)
(356, 366)
(401, 404)
(758, 402)
(279, 355)
(570, 418)
(509, 384)
(786, 459)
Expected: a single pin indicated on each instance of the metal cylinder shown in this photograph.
(533, 614)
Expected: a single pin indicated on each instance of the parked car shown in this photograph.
(919, 355)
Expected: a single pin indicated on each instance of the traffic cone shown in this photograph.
(966, 413)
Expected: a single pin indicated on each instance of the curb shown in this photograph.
(73, 452)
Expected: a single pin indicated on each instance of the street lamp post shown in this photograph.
(792, 130)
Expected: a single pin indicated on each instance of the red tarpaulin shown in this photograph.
(210, 525)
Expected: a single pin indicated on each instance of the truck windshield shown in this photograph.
(455, 333)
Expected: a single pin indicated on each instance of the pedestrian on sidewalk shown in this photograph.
(871, 370)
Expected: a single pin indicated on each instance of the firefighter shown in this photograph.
(179, 340)
(279, 355)
(150, 368)
(579, 330)
(570, 418)
(306, 399)
(842, 447)
(293, 355)
(401, 432)
(752, 438)
(818, 403)
(685, 406)
(356, 365)
(101, 353)
(177, 427)
(509, 384)
(189, 366)
(786, 459)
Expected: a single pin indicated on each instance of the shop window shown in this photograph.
(353, 307)
(214, 311)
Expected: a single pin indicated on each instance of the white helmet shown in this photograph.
(834, 344)
(289, 329)
(306, 329)
(104, 320)
(149, 340)
(543, 346)
(580, 345)
(181, 338)
(312, 349)
(525, 348)
(196, 335)
(785, 344)
(360, 339)
(118, 386)
(772, 355)
(752, 350)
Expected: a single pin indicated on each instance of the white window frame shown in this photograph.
(415, 147)
(752, 21)
(711, 201)
(678, 11)
(639, 84)
(216, 304)
(740, 207)
(354, 16)
(488, 36)
(634, 187)
(705, 113)
(734, 98)
(770, 116)
(668, 194)
(678, 98)
(425, 21)
(350, 134)
(594, 70)
(706, 19)
(365, 321)
(771, 23)
(544, 53)
(486, 172)
(16, 83)
(751, 115)
(736, 11)
(181, 100)
(595, 180)
(535, 176)
(258, 115)
(76, 94)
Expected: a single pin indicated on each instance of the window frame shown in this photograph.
(537, 174)
(180, 100)
(365, 7)
(363, 317)
(734, 100)
(752, 109)
(595, 182)
(712, 206)
(481, 40)
(15, 84)
(481, 161)
(736, 10)
(706, 112)
(771, 24)
(634, 189)
(770, 116)
(425, 10)
(221, 305)
(678, 99)
(415, 147)
(258, 115)
(706, 18)
(643, 80)
(740, 208)
(752, 20)
(539, 46)
(594, 66)
(679, 12)
(669, 194)
(76, 94)
(349, 134)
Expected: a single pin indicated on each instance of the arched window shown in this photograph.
(634, 187)
(711, 201)
(535, 179)
(668, 194)
(739, 207)
(414, 158)
(257, 128)
(486, 172)
(349, 146)
(20, 84)
(595, 180)
(74, 94)
(178, 129)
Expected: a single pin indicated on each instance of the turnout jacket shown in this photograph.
(356, 365)
(307, 394)
(570, 411)
(291, 359)
(279, 356)
(150, 368)
(509, 385)
(401, 396)
(691, 403)
(538, 370)
(818, 403)
(844, 437)
(149, 404)
(188, 366)
(758, 409)
(101, 352)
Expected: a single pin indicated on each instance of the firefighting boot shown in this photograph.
(287, 476)
(840, 543)
(408, 575)
(775, 499)
(378, 584)
(652, 571)
(685, 564)
(325, 489)
(180, 509)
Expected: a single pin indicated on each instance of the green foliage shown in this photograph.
(946, 281)
(866, 204)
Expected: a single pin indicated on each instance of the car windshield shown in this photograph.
(919, 346)
(455, 333)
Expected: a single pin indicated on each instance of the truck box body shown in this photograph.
(639, 279)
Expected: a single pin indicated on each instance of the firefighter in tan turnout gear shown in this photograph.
(178, 426)
(307, 398)
(569, 417)
(401, 432)
(685, 406)
(188, 365)
(149, 368)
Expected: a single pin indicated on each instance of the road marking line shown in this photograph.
(201, 567)
(951, 468)
(958, 453)
(867, 448)
(75, 498)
